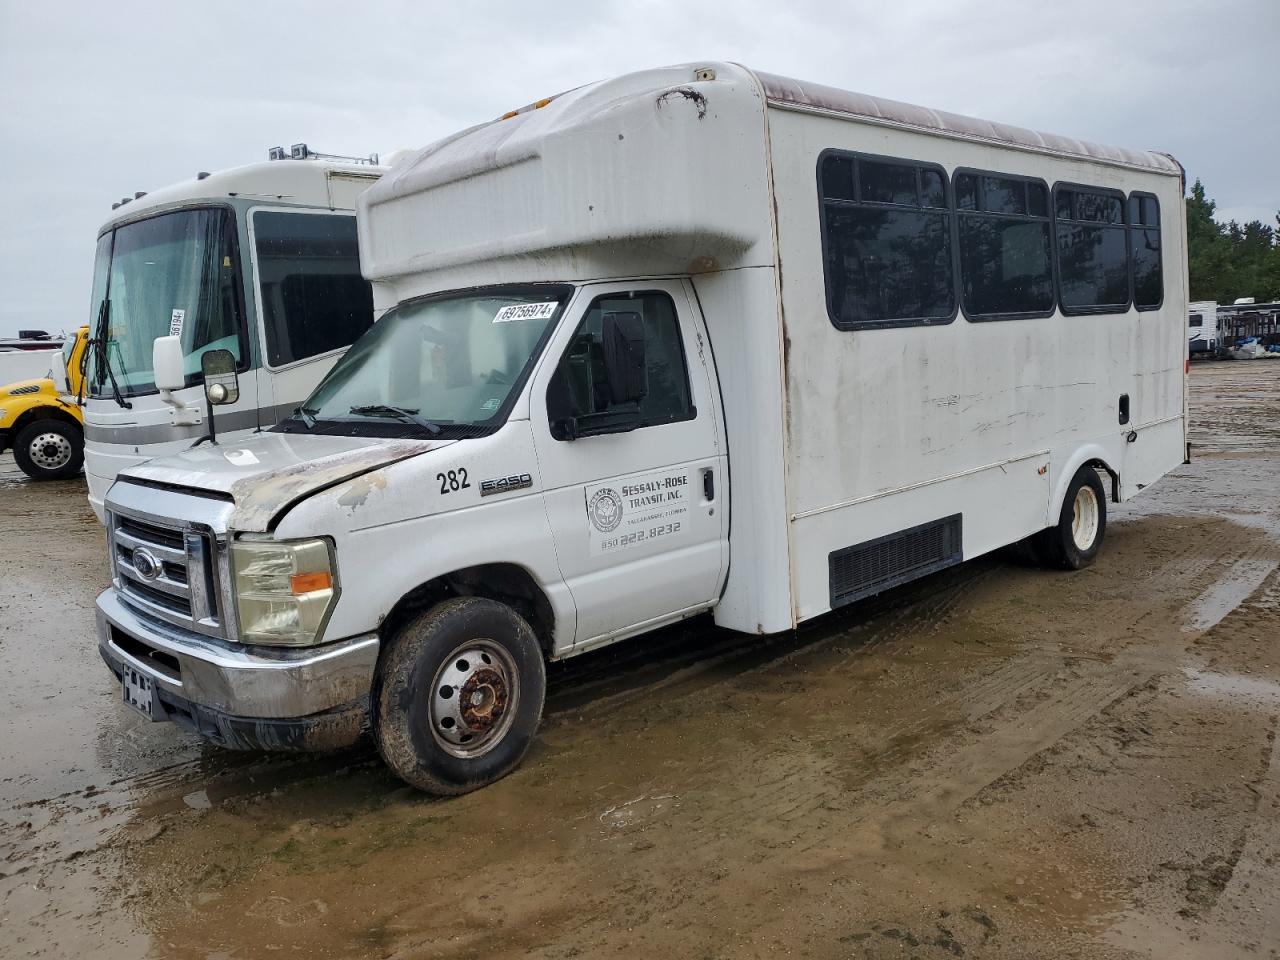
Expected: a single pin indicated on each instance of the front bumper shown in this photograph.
(238, 696)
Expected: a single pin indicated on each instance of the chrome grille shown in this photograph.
(165, 571)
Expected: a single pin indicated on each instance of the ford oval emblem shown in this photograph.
(146, 564)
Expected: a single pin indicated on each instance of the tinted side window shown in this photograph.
(1093, 251)
(579, 385)
(1006, 269)
(886, 242)
(1144, 242)
(313, 297)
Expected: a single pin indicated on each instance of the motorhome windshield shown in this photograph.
(448, 367)
(176, 273)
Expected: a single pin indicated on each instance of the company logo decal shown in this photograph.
(605, 510)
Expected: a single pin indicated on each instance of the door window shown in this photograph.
(580, 387)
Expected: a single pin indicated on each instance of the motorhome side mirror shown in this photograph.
(622, 343)
(58, 374)
(221, 383)
(167, 362)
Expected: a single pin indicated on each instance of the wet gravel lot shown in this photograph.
(993, 762)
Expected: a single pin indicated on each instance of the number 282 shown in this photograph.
(453, 481)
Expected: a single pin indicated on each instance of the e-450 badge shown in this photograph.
(517, 481)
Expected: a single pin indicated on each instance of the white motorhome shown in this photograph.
(693, 339)
(1202, 328)
(260, 259)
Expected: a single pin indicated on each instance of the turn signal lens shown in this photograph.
(310, 582)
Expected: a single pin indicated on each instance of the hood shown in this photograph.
(270, 472)
(25, 388)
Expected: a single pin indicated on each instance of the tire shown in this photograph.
(1074, 542)
(421, 719)
(49, 449)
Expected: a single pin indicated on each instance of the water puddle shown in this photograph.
(1231, 590)
(1231, 686)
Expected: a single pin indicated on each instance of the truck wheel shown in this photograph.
(1074, 542)
(458, 696)
(49, 449)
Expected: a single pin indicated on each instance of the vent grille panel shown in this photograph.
(877, 565)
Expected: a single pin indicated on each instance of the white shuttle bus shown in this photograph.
(693, 339)
(259, 259)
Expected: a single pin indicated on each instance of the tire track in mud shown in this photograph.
(983, 733)
(1027, 705)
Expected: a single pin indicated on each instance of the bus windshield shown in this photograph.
(176, 273)
(448, 366)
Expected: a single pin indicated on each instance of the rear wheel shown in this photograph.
(49, 449)
(458, 696)
(1082, 524)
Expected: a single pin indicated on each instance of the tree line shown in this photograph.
(1227, 261)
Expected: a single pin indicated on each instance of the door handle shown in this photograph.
(708, 484)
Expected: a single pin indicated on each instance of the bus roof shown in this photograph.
(302, 182)
(785, 93)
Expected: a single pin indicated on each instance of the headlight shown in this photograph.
(285, 590)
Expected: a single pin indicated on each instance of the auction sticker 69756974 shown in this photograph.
(631, 511)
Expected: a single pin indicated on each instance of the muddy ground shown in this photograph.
(994, 762)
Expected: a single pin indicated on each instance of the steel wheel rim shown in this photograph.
(473, 698)
(50, 451)
(1084, 518)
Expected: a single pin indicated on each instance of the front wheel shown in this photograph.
(49, 449)
(1076, 539)
(458, 696)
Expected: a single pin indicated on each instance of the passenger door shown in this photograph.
(637, 517)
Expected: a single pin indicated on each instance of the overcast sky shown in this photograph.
(100, 100)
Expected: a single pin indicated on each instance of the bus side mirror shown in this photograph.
(167, 362)
(221, 383)
(622, 343)
(58, 374)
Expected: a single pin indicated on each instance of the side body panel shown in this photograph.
(891, 428)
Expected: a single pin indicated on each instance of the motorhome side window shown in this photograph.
(579, 387)
(886, 237)
(1006, 265)
(1093, 258)
(1144, 242)
(313, 297)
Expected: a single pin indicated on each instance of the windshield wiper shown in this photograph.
(306, 415)
(104, 356)
(402, 414)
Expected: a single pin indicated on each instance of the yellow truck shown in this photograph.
(44, 427)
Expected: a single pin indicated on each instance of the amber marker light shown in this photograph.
(301, 583)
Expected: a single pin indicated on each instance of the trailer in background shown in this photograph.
(1202, 329)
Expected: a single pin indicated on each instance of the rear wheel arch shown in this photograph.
(1091, 456)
